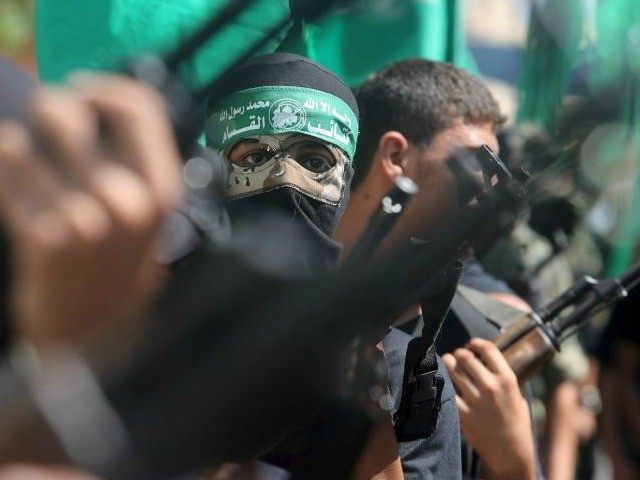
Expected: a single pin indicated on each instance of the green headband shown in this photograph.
(273, 110)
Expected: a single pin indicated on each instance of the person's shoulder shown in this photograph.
(475, 276)
(396, 342)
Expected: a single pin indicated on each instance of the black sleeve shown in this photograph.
(621, 326)
(474, 276)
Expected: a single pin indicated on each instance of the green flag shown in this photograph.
(556, 29)
(618, 51)
(618, 41)
(355, 41)
(102, 34)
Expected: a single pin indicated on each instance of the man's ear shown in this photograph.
(392, 154)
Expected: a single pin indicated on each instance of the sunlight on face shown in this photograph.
(312, 154)
(462, 135)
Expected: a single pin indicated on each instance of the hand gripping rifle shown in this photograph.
(530, 342)
(498, 198)
(184, 107)
(213, 379)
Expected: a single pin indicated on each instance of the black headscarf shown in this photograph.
(318, 218)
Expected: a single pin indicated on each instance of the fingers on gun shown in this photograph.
(467, 393)
(490, 356)
(465, 386)
(136, 121)
(69, 184)
(32, 199)
(479, 370)
(67, 133)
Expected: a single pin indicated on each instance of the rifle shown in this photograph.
(531, 341)
(389, 211)
(184, 106)
(194, 360)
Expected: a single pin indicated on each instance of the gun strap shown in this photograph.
(417, 415)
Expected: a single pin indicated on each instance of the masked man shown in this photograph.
(288, 128)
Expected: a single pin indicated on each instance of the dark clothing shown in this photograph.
(438, 456)
(621, 326)
(474, 276)
(622, 329)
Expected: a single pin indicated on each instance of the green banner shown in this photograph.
(618, 51)
(273, 110)
(102, 34)
(355, 41)
(555, 45)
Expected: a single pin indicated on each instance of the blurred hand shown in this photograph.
(494, 416)
(82, 210)
(586, 423)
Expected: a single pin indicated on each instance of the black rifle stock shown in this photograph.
(194, 360)
(198, 366)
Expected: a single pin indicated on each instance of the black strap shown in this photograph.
(417, 415)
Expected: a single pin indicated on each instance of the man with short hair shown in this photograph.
(414, 115)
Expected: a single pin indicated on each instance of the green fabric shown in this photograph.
(102, 34)
(618, 51)
(618, 41)
(273, 110)
(355, 41)
(553, 46)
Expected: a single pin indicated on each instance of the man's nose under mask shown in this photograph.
(316, 220)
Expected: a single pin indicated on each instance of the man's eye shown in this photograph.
(316, 163)
(255, 158)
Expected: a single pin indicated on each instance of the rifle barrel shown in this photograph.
(630, 279)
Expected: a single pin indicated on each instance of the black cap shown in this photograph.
(287, 69)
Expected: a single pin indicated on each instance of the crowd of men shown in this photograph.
(101, 214)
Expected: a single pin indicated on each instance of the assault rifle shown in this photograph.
(212, 380)
(531, 341)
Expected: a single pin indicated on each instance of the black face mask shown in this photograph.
(317, 219)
